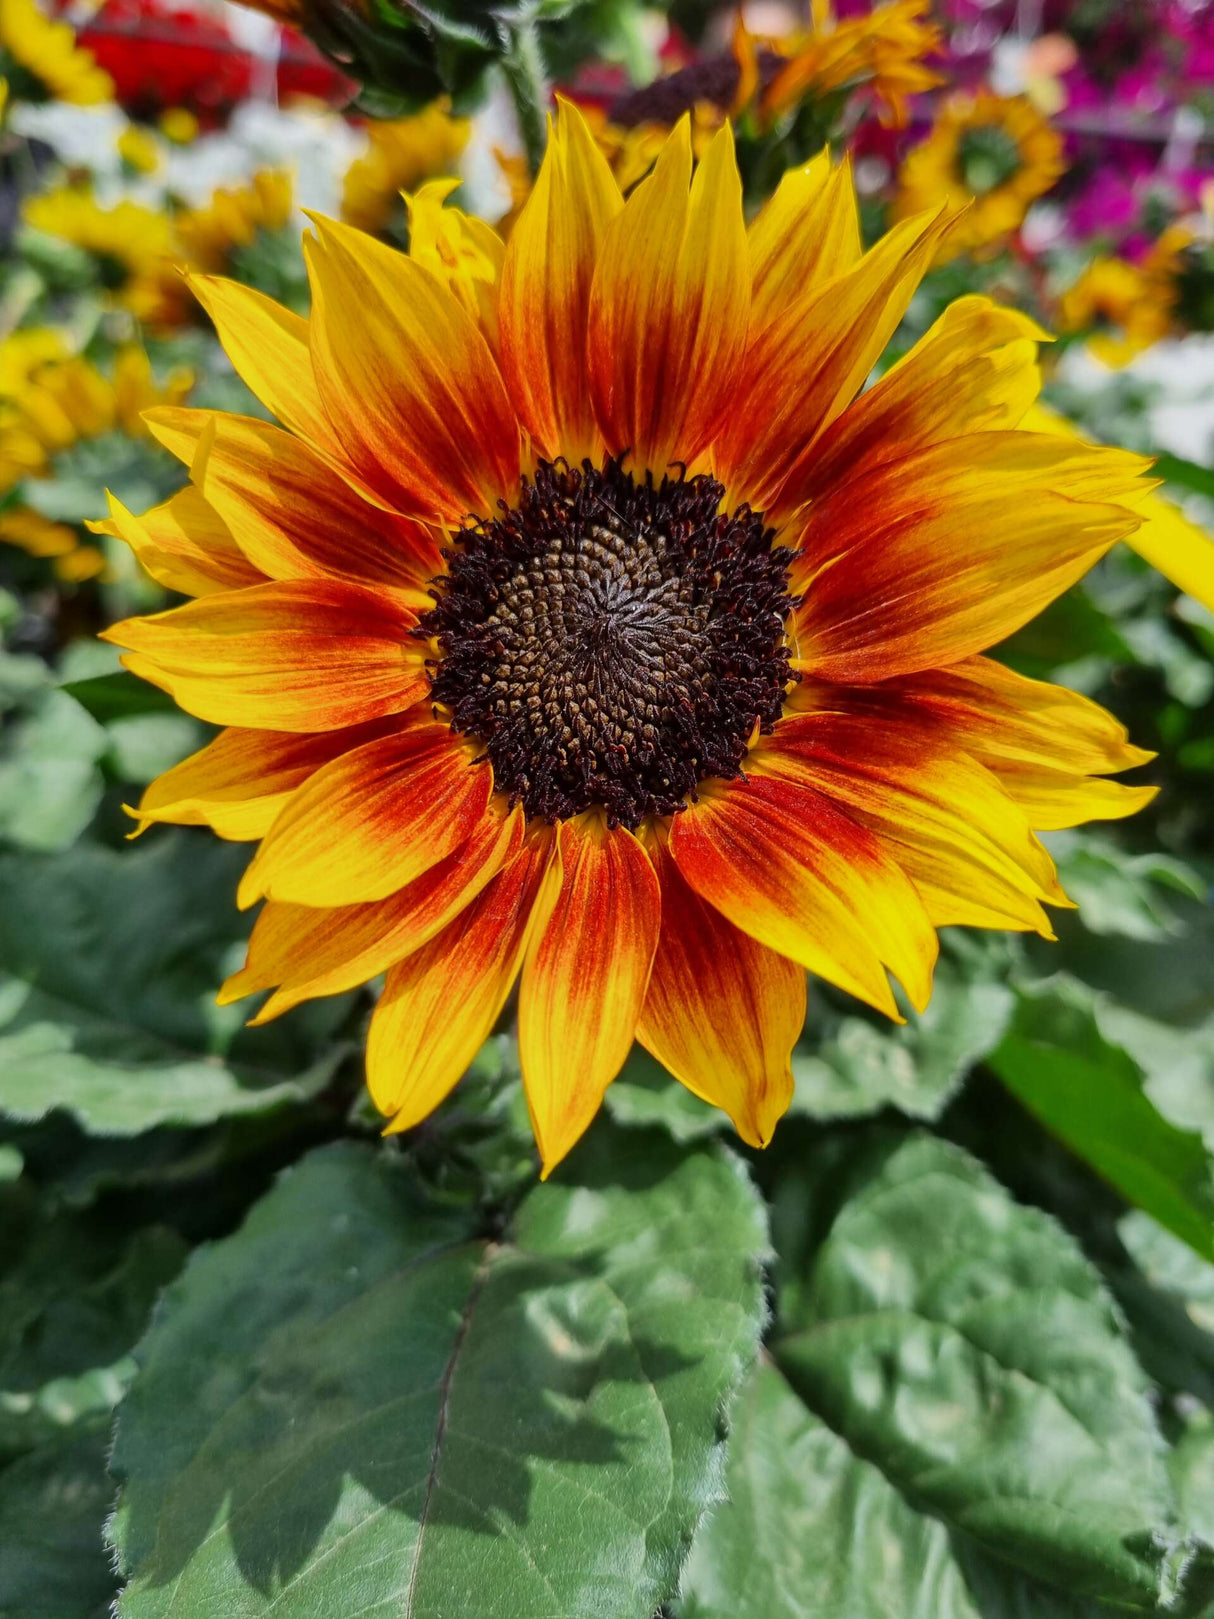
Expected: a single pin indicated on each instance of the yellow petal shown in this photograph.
(584, 979)
(545, 293)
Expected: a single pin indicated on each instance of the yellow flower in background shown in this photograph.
(138, 149)
(179, 125)
(1120, 305)
(128, 240)
(140, 249)
(206, 239)
(626, 647)
(44, 63)
(883, 50)
(996, 153)
(402, 153)
(631, 152)
(51, 401)
(235, 214)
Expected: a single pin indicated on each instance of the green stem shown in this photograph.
(527, 77)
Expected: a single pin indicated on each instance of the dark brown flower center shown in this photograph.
(612, 642)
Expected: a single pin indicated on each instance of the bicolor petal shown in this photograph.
(789, 867)
(416, 1049)
(669, 308)
(545, 290)
(722, 1011)
(304, 655)
(584, 979)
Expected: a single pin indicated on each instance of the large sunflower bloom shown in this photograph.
(634, 653)
(995, 153)
(43, 61)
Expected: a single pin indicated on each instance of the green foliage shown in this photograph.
(96, 1017)
(951, 1415)
(362, 1391)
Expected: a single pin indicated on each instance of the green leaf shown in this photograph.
(74, 1298)
(1184, 474)
(50, 783)
(1118, 893)
(1089, 1093)
(964, 1346)
(53, 1507)
(360, 1402)
(109, 963)
(645, 1094)
(119, 696)
(811, 1530)
(850, 1066)
(143, 746)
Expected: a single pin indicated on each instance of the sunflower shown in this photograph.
(51, 402)
(634, 654)
(1120, 306)
(996, 153)
(209, 239)
(883, 50)
(401, 154)
(128, 240)
(140, 250)
(43, 62)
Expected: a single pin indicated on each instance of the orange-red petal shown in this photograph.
(183, 544)
(807, 365)
(1048, 746)
(584, 979)
(722, 1011)
(303, 655)
(944, 818)
(373, 820)
(974, 371)
(545, 290)
(440, 1003)
(268, 347)
(238, 783)
(413, 390)
(293, 516)
(807, 232)
(669, 307)
(308, 951)
(787, 866)
(939, 555)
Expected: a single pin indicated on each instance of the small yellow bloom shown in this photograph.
(50, 401)
(179, 125)
(628, 647)
(138, 150)
(883, 50)
(403, 152)
(43, 61)
(1123, 307)
(127, 239)
(205, 240)
(996, 153)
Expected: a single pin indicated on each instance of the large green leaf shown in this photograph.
(53, 1506)
(361, 1403)
(75, 1296)
(851, 1064)
(965, 1347)
(109, 962)
(813, 1531)
(1090, 1093)
(50, 780)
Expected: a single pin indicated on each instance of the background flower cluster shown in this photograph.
(947, 1348)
